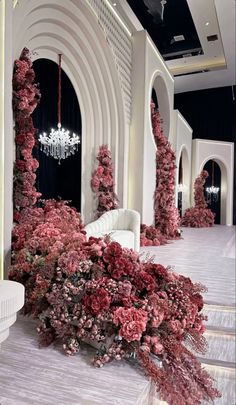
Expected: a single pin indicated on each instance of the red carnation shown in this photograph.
(112, 252)
(97, 302)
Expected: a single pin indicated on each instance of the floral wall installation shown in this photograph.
(199, 216)
(26, 96)
(102, 182)
(167, 218)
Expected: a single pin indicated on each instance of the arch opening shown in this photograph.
(222, 181)
(159, 95)
(54, 180)
(183, 181)
(214, 179)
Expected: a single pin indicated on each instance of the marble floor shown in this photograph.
(33, 376)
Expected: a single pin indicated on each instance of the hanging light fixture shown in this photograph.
(181, 188)
(59, 144)
(212, 191)
(163, 3)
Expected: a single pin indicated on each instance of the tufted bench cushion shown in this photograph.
(122, 224)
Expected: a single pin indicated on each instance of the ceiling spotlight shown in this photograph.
(114, 4)
(207, 23)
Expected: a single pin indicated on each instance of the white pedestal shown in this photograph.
(11, 300)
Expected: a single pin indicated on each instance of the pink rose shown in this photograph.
(131, 331)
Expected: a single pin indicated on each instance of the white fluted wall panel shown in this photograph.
(119, 39)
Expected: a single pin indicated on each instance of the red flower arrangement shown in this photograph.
(199, 216)
(151, 236)
(166, 215)
(26, 96)
(102, 182)
(101, 293)
(167, 218)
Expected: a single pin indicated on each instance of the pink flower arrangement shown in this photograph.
(199, 216)
(102, 182)
(98, 292)
(167, 218)
(26, 96)
(151, 236)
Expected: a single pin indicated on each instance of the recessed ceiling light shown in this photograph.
(207, 23)
(114, 4)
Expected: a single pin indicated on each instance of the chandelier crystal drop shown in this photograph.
(59, 143)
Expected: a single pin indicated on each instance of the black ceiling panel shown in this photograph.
(171, 28)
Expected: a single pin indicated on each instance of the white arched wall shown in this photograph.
(183, 144)
(149, 70)
(223, 154)
(73, 30)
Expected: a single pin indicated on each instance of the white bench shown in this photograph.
(11, 300)
(122, 224)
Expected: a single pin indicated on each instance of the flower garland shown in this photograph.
(102, 182)
(26, 96)
(199, 216)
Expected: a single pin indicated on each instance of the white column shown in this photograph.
(6, 132)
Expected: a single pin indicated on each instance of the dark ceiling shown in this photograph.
(166, 26)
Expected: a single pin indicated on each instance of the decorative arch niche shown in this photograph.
(184, 170)
(73, 30)
(160, 92)
(54, 180)
(223, 154)
(214, 179)
(224, 189)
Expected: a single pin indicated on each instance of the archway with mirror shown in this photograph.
(57, 180)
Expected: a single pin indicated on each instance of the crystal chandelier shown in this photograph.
(212, 191)
(59, 144)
